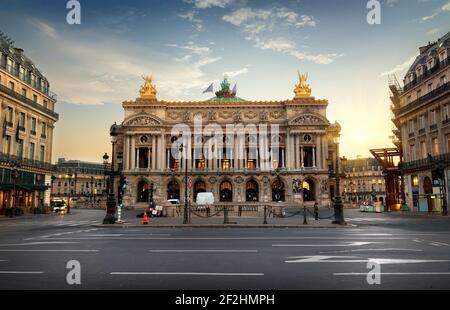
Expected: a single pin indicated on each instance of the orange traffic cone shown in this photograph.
(145, 220)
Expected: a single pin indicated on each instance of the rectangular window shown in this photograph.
(423, 149)
(20, 148)
(12, 86)
(24, 92)
(43, 130)
(448, 143)
(9, 115)
(22, 120)
(445, 113)
(32, 146)
(443, 79)
(45, 104)
(433, 118)
(35, 98)
(412, 152)
(430, 87)
(33, 125)
(435, 143)
(411, 126)
(7, 144)
(421, 122)
(419, 93)
(42, 153)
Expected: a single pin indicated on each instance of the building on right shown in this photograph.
(421, 114)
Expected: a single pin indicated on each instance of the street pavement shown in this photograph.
(411, 252)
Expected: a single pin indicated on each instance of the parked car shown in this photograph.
(174, 201)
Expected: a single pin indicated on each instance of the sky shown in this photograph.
(188, 44)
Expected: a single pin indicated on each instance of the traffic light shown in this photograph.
(123, 184)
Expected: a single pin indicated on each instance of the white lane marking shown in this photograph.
(203, 251)
(369, 235)
(393, 273)
(372, 250)
(417, 241)
(325, 245)
(38, 243)
(62, 251)
(187, 274)
(356, 259)
(435, 244)
(126, 235)
(232, 238)
(21, 272)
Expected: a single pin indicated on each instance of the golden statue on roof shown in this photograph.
(148, 90)
(302, 89)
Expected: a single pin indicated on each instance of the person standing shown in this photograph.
(316, 211)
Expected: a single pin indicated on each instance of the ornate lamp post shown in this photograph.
(68, 197)
(337, 203)
(186, 206)
(110, 217)
(14, 177)
(105, 165)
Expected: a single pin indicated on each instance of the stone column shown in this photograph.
(288, 149)
(314, 156)
(153, 153)
(162, 151)
(302, 159)
(296, 152)
(126, 153)
(138, 151)
(133, 153)
(319, 152)
(149, 167)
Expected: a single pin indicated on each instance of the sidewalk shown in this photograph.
(129, 220)
(416, 215)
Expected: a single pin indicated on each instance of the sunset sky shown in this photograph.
(188, 44)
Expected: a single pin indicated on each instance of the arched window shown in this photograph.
(309, 190)
(252, 191)
(226, 191)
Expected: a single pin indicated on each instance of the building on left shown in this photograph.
(27, 119)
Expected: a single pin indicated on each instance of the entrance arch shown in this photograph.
(199, 187)
(252, 191)
(278, 191)
(142, 191)
(309, 190)
(173, 190)
(226, 191)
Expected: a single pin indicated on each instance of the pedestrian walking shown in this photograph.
(316, 211)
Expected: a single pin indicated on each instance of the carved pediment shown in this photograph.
(308, 120)
(143, 120)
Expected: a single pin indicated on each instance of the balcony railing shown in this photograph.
(422, 131)
(433, 127)
(425, 98)
(26, 79)
(26, 162)
(423, 164)
(427, 73)
(29, 102)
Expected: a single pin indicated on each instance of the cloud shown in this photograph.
(446, 7)
(258, 24)
(108, 73)
(191, 16)
(205, 4)
(400, 67)
(427, 18)
(43, 27)
(232, 74)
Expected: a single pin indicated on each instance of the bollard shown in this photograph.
(305, 222)
(225, 215)
(265, 215)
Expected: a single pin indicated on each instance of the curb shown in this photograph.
(220, 226)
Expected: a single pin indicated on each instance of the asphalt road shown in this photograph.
(412, 253)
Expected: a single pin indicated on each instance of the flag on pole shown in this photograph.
(210, 89)
(234, 92)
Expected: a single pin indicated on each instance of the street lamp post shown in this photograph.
(337, 203)
(68, 197)
(92, 189)
(151, 202)
(186, 206)
(14, 176)
(110, 217)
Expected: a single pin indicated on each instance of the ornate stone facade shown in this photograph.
(306, 151)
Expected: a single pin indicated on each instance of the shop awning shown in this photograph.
(24, 187)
